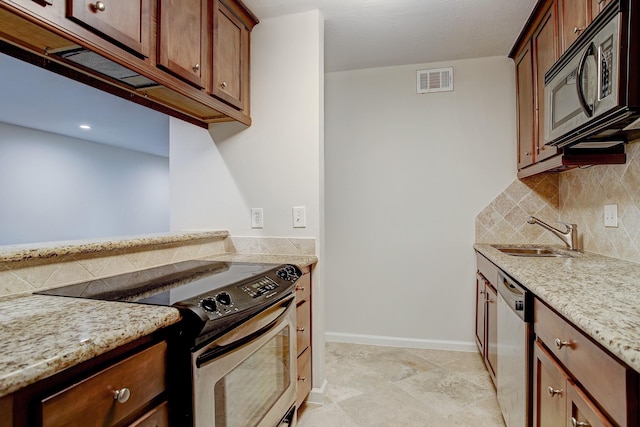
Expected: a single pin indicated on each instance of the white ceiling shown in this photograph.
(358, 34)
(376, 33)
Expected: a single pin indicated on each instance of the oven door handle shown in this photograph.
(260, 324)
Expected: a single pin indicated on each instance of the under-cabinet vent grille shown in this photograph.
(435, 80)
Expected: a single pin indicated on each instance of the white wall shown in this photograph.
(406, 175)
(276, 164)
(54, 187)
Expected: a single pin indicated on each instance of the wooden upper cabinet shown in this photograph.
(127, 23)
(182, 39)
(545, 54)
(573, 19)
(525, 106)
(230, 57)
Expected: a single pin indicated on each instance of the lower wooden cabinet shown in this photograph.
(125, 387)
(303, 335)
(112, 395)
(487, 315)
(575, 380)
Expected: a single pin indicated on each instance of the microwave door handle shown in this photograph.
(588, 109)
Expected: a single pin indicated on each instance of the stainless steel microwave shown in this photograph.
(592, 93)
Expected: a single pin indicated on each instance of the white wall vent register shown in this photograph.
(435, 80)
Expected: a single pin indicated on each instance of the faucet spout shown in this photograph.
(569, 236)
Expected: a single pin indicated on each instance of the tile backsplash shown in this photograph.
(576, 196)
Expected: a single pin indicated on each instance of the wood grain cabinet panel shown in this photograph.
(487, 314)
(549, 390)
(125, 22)
(157, 417)
(573, 19)
(303, 336)
(598, 6)
(525, 106)
(230, 57)
(143, 375)
(581, 411)
(182, 38)
(545, 54)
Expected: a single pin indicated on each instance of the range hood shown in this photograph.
(92, 61)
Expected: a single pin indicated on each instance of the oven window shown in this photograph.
(245, 395)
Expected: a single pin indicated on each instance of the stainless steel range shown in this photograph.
(238, 335)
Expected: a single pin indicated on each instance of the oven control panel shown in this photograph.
(259, 287)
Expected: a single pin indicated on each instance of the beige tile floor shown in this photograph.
(371, 386)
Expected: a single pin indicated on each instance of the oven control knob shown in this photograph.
(209, 304)
(224, 298)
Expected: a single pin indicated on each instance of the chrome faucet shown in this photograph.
(569, 236)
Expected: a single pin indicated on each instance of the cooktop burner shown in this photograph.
(212, 295)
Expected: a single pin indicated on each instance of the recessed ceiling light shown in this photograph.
(85, 127)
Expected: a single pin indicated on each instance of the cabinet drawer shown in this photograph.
(487, 269)
(143, 374)
(604, 377)
(304, 376)
(157, 417)
(582, 410)
(303, 326)
(303, 288)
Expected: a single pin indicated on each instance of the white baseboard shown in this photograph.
(469, 346)
(318, 394)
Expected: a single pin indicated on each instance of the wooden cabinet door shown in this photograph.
(581, 411)
(573, 19)
(182, 37)
(545, 53)
(549, 390)
(480, 313)
(492, 330)
(125, 22)
(230, 73)
(525, 105)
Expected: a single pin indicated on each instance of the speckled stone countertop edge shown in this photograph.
(12, 253)
(600, 295)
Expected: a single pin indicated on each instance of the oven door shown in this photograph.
(247, 376)
(584, 89)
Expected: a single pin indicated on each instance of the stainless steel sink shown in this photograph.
(531, 251)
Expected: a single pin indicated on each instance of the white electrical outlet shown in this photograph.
(610, 215)
(299, 217)
(257, 218)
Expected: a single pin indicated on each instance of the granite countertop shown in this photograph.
(42, 335)
(599, 294)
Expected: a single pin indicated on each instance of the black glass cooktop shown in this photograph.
(165, 285)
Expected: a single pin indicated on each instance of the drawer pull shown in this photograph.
(553, 392)
(299, 288)
(223, 85)
(99, 7)
(576, 30)
(300, 329)
(303, 379)
(576, 423)
(559, 343)
(196, 68)
(122, 395)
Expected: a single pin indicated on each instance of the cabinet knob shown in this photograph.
(576, 30)
(553, 392)
(303, 379)
(122, 395)
(528, 153)
(99, 6)
(576, 423)
(196, 68)
(559, 343)
(299, 288)
(300, 329)
(223, 85)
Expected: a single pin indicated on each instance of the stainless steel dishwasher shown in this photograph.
(514, 351)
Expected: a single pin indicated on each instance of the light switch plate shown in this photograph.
(610, 215)
(299, 217)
